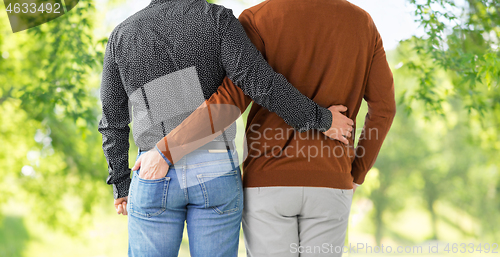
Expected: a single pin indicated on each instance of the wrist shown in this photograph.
(163, 156)
(120, 189)
(326, 119)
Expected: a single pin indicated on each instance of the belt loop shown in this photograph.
(229, 152)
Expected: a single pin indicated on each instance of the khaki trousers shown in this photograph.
(295, 221)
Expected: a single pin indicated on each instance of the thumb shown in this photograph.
(137, 165)
(341, 108)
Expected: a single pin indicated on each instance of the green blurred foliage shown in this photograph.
(463, 40)
(49, 88)
(442, 151)
(13, 236)
(433, 161)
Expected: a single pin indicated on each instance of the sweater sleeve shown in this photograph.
(379, 94)
(206, 123)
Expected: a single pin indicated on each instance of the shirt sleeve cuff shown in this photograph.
(120, 189)
(163, 156)
(325, 122)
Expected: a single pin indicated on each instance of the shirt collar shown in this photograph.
(162, 1)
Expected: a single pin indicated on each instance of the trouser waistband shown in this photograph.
(214, 145)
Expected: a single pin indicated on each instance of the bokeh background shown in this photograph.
(436, 180)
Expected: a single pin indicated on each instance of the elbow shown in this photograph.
(387, 112)
(392, 111)
(390, 114)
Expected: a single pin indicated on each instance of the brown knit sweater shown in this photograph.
(331, 51)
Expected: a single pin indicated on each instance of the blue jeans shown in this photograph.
(202, 189)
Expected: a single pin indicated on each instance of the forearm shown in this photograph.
(115, 147)
(196, 130)
(374, 133)
(207, 122)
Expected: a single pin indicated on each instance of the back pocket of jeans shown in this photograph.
(222, 191)
(148, 197)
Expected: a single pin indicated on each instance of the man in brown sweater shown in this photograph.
(298, 186)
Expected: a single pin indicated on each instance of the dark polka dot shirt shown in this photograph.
(165, 60)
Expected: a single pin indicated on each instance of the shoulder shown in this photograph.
(135, 21)
(258, 7)
(358, 13)
(218, 12)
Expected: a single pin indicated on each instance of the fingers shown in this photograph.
(119, 201)
(338, 134)
(339, 108)
(343, 140)
(137, 164)
(124, 204)
(347, 121)
(354, 186)
(121, 205)
(119, 209)
(348, 125)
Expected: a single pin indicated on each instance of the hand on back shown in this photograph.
(342, 126)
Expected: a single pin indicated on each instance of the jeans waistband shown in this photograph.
(212, 145)
(218, 145)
